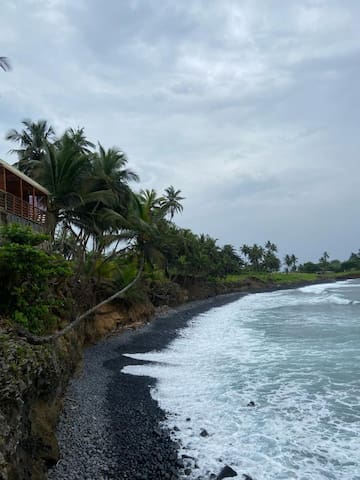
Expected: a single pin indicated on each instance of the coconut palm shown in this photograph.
(33, 141)
(5, 64)
(106, 196)
(271, 247)
(255, 255)
(64, 172)
(324, 259)
(152, 204)
(294, 261)
(109, 171)
(171, 201)
(78, 136)
(288, 262)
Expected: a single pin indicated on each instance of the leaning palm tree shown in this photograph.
(33, 141)
(143, 236)
(171, 201)
(5, 64)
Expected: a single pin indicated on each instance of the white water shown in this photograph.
(296, 354)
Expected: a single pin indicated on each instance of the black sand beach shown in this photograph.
(110, 427)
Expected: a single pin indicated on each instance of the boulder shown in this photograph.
(226, 472)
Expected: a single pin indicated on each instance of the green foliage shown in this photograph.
(277, 278)
(261, 259)
(14, 233)
(30, 279)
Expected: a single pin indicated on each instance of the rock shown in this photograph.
(246, 477)
(226, 472)
(176, 429)
(188, 419)
(203, 433)
(187, 471)
(251, 404)
(184, 456)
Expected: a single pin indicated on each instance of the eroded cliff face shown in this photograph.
(33, 380)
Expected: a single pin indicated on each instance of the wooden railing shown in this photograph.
(9, 203)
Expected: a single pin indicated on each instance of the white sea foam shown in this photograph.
(296, 357)
(319, 288)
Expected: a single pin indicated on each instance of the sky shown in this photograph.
(250, 107)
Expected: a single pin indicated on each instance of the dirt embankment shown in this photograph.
(33, 380)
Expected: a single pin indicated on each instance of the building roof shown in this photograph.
(30, 181)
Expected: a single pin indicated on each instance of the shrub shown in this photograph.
(30, 279)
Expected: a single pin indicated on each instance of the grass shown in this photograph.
(289, 278)
(278, 277)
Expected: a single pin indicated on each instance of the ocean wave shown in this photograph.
(302, 377)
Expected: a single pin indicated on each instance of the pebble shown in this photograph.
(115, 432)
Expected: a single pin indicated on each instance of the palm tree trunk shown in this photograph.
(38, 340)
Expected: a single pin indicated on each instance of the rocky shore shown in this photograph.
(111, 427)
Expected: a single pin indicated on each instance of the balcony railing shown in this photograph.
(11, 204)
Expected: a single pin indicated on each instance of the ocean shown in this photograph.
(296, 355)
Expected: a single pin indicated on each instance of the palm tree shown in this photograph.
(171, 201)
(288, 262)
(245, 250)
(152, 204)
(62, 172)
(109, 170)
(77, 135)
(5, 64)
(33, 141)
(271, 247)
(324, 259)
(294, 261)
(256, 255)
(106, 196)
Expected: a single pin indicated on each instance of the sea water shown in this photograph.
(296, 355)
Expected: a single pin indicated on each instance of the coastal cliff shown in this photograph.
(33, 379)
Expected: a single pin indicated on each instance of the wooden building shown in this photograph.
(22, 200)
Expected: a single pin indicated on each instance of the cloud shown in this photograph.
(250, 108)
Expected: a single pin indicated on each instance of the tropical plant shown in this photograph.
(5, 64)
(31, 279)
(294, 261)
(33, 142)
(62, 171)
(78, 137)
(288, 262)
(324, 259)
(171, 201)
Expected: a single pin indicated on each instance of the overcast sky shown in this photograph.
(251, 108)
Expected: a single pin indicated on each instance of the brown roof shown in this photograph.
(15, 171)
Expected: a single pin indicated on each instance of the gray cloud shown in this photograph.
(251, 107)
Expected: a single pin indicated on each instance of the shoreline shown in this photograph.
(110, 427)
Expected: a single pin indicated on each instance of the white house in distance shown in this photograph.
(22, 200)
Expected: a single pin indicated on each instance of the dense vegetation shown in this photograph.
(102, 233)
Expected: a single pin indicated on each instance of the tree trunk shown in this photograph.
(38, 340)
